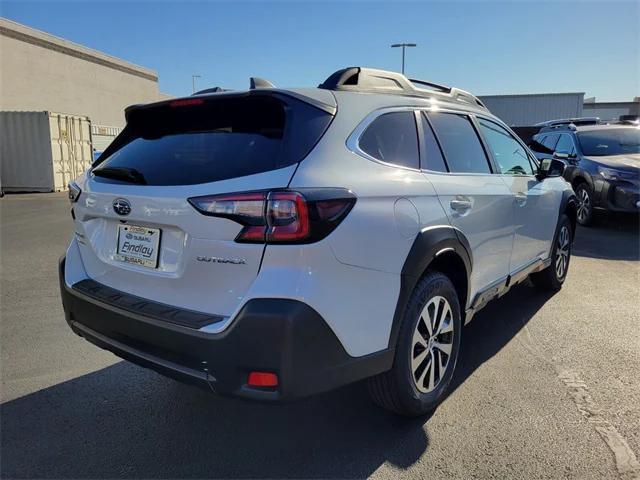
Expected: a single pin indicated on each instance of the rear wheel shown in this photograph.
(585, 204)
(552, 277)
(426, 352)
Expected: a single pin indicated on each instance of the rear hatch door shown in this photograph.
(137, 231)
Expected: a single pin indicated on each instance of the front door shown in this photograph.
(535, 210)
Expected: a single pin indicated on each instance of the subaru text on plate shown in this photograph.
(272, 244)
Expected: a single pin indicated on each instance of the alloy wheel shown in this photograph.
(432, 344)
(584, 205)
(562, 251)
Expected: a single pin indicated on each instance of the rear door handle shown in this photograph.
(461, 205)
(521, 199)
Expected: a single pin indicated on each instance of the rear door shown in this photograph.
(136, 229)
(476, 201)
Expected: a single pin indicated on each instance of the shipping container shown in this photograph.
(102, 136)
(42, 151)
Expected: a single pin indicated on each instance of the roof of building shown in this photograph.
(531, 94)
(42, 39)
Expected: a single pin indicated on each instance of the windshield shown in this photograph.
(618, 141)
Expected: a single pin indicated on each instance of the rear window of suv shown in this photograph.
(204, 140)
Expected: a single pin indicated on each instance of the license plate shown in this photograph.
(138, 245)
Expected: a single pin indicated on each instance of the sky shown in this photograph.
(481, 46)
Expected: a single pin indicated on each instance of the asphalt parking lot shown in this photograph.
(547, 387)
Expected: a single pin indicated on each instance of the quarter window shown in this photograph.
(460, 143)
(393, 138)
(511, 157)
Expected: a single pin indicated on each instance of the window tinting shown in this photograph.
(460, 143)
(393, 138)
(433, 156)
(219, 139)
(550, 142)
(565, 144)
(537, 145)
(511, 157)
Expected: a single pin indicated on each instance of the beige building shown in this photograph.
(41, 72)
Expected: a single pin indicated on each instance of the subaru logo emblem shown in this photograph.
(121, 206)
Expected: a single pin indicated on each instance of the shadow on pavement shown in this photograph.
(124, 421)
(612, 237)
(494, 326)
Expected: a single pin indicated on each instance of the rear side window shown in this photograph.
(550, 142)
(510, 156)
(433, 156)
(565, 145)
(393, 138)
(460, 143)
(537, 145)
(207, 140)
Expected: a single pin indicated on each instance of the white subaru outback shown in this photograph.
(275, 243)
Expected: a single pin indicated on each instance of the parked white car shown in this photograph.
(272, 244)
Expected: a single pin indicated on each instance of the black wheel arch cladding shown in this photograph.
(427, 246)
(568, 207)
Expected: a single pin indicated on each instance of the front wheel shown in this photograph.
(585, 204)
(552, 277)
(426, 351)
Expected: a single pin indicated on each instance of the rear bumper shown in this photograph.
(286, 337)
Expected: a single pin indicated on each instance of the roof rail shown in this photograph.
(210, 90)
(566, 121)
(257, 82)
(361, 79)
(558, 126)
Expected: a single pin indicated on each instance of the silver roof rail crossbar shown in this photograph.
(372, 80)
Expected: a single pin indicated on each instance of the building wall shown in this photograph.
(522, 110)
(41, 72)
(611, 110)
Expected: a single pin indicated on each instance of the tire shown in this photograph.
(397, 390)
(585, 204)
(552, 277)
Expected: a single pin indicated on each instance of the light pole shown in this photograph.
(403, 45)
(193, 82)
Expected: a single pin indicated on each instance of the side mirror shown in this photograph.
(550, 167)
(561, 155)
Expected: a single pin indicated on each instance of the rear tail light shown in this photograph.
(262, 379)
(280, 216)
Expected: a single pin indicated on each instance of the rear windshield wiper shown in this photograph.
(130, 175)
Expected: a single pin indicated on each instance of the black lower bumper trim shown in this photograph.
(286, 337)
(156, 310)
